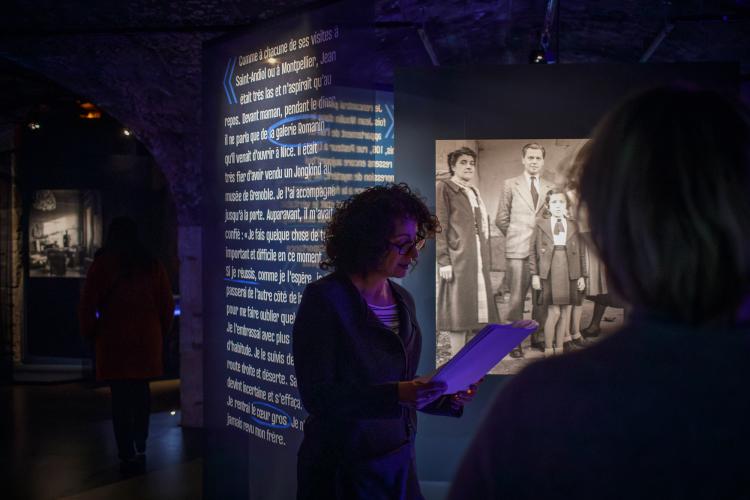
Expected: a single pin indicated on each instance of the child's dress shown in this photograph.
(559, 259)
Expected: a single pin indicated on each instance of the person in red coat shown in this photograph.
(127, 308)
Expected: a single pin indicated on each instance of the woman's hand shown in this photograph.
(461, 398)
(536, 283)
(417, 393)
(522, 323)
(581, 284)
(446, 273)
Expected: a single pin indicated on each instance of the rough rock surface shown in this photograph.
(140, 61)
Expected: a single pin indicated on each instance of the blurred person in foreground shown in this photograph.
(356, 344)
(660, 409)
(127, 308)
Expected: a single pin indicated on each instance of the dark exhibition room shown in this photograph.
(375, 249)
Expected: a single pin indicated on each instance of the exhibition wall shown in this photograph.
(293, 123)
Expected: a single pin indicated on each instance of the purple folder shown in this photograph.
(480, 354)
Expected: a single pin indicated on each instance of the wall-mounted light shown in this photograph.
(126, 132)
(272, 60)
(34, 126)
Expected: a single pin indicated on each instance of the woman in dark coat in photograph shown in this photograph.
(127, 308)
(659, 409)
(465, 299)
(356, 344)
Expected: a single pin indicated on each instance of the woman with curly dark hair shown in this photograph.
(356, 346)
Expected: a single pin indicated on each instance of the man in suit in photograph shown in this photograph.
(522, 201)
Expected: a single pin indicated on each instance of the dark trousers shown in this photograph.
(131, 405)
(520, 282)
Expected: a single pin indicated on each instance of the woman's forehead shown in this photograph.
(405, 227)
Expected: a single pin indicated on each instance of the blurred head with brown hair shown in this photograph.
(665, 181)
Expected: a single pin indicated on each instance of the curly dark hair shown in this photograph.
(453, 156)
(357, 235)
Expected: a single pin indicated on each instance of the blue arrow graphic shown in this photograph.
(231, 87)
(228, 81)
(389, 132)
(224, 82)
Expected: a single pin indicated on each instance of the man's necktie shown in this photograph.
(534, 192)
(559, 227)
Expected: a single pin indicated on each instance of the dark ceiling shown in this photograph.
(140, 60)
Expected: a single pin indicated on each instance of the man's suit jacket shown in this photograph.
(516, 215)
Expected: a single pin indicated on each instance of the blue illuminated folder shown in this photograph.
(480, 354)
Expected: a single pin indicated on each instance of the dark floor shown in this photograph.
(57, 442)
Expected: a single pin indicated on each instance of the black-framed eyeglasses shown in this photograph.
(405, 248)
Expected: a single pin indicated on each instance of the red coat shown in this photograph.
(136, 311)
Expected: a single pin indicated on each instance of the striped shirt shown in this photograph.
(388, 315)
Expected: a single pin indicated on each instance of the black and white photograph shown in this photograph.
(514, 245)
(65, 230)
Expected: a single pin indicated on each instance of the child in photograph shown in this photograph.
(558, 267)
(574, 335)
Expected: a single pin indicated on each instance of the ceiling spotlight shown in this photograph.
(126, 132)
(34, 126)
(537, 56)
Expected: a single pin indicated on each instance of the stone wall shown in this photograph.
(191, 325)
(11, 271)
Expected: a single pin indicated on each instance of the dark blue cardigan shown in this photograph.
(348, 366)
